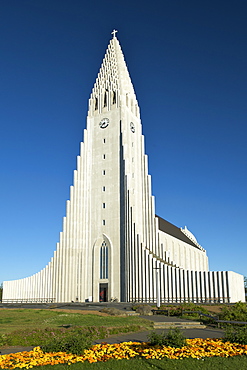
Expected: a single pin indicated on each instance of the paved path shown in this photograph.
(163, 318)
(14, 349)
(143, 336)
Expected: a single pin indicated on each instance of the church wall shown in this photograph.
(182, 254)
(235, 283)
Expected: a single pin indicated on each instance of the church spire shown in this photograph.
(113, 84)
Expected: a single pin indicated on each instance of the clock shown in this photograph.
(104, 123)
(132, 127)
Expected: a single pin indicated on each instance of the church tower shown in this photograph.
(113, 125)
(112, 244)
(117, 202)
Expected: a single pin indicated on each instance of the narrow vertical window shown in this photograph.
(103, 156)
(114, 98)
(103, 205)
(104, 261)
(103, 188)
(103, 222)
(105, 100)
(104, 141)
(103, 172)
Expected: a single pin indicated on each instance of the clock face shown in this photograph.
(104, 123)
(132, 127)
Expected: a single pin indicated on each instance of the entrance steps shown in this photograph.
(167, 322)
(131, 313)
(179, 325)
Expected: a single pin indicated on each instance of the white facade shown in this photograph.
(112, 243)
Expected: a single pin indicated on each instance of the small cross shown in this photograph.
(114, 33)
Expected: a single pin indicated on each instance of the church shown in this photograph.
(113, 245)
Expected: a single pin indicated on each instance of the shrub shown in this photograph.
(175, 311)
(2, 340)
(70, 343)
(193, 307)
(236, 334)
(156, 339)
(237, 312)
(174, 338)
(178, 309)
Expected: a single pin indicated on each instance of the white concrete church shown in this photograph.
(113, 244)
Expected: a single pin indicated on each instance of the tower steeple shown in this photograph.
(113, 86)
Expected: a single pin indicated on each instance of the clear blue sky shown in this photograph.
(187, 61)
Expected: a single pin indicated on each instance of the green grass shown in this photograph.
(213, 363)
(18, 319)
(26, 327)
(24, 319)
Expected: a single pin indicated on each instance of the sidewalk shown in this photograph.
(143, 336)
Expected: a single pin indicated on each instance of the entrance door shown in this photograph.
(103, 292)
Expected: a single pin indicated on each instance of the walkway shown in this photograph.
(143, 336)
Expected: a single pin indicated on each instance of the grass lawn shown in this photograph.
(18, 319)
(213, 363)
(29, 319)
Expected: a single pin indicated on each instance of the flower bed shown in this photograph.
(195, 348)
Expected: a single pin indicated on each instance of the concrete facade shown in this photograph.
(112, 244)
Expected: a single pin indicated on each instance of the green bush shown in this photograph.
(174, 338)
(2, 340)
(70, 343)
(236, 312)
(193, 307)
(156, 339)
(178, 309)
(175, 311)
(236, 334)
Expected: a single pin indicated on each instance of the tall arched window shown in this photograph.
(104, 261)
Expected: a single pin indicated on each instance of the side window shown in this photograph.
(104, 261)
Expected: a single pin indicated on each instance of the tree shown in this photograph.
(1, 292)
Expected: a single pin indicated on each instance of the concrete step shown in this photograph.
(131, 313)
(180, 325)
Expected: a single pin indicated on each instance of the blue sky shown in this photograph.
(187, 61)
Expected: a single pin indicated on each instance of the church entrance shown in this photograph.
(103, 292)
